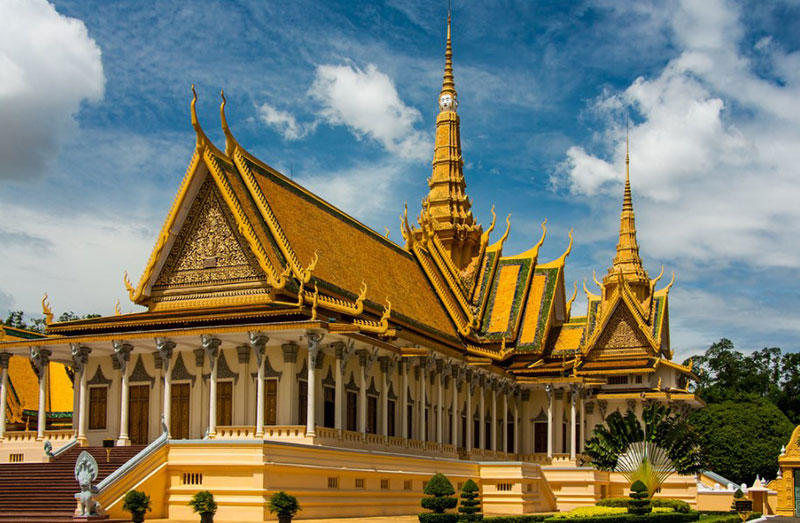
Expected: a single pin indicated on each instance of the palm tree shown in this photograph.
(665, 445)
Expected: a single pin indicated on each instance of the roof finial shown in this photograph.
(201, 137)
(627, 201)
(229, 140)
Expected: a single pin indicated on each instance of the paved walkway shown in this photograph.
(381, 519)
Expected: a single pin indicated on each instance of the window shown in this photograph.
(564, 438)
(617, 380)
(191, 478)
(225, 403)
(510, 432)
(408, 484)
(390, 417)
(384, 484)
(410, 420)
(302, 402)
(476, 432)
(98, 397)
(540, 436)
(372, 414)
(271, 401)
(352, 411)
(333, 482)
(638, 379)
(329, 407)
(505, 487)
(488, 436)
(360, 482)
(15, 457)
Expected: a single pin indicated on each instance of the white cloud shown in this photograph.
(366, 101)
(48, 66)
(284, 122)
(714, 157)
(82, 270)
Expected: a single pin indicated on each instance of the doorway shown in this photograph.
(179, 422)
(138, 413)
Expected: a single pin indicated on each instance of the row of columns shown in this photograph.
(576, 396)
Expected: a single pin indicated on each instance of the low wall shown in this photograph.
(23, 446)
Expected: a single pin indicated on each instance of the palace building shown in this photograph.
(285, 345)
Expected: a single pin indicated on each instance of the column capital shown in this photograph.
(314, 337)
(257, 339)
(384, 362)
(40, 358)
(211, 346)
(199, 356)
(290, 352)
(339, 348)
(165, 348)
(243, 353)
(122, 353)
(4, 357)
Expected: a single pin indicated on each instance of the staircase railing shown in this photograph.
(71, 443)
(143, 454)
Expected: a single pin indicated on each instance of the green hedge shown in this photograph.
(527, 518)
(653, 517)
(731, 517)
(433, 517)
(675, 504)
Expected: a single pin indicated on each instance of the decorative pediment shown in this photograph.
(390, 393)
(351, 385)
(179, 371)
(371, 390)
(139, 373)
(208, 248)
(329, 380)
(269, 372)
(99, 378)
(621, 334)
(224, 371)
(542, 416)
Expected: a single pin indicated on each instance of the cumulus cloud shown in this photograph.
(284, 122)
(49, 65)
(714, 156)
(367, 103)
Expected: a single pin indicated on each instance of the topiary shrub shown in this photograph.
(470, 508)
(640, 502)
(284, 505)
(137, 503)
(440, 498)
(678, 505)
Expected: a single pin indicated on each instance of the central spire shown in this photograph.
(447, 210)
(627, 262)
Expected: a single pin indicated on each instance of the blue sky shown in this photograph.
(343, 95)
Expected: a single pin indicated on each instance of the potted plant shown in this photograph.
(137, 503)
(285, 505)
(203, 503)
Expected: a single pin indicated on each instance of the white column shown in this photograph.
(582, 435)
(468, 426)
(493, 433)
(80, 356)
(439, 399)
(4, 357)
(482, 412)
(515, 413)
(423, 429)
(403, 365)
(504, 432)
(338, 369)
(211, 346)
(385, 367)
(572, 422)
(165, 348)
(549, 390)
(311, 408)
(41, 357)
(122, 351)
(362, 392)
(454, 417)
(258, 342)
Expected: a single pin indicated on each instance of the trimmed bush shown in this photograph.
(470, 508)
(677, 505)
(203, 502)
(440, 498)
(639, 504)
(527, 518)
(283, 504)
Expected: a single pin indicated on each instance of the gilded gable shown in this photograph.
(207, 249)
(621, 336)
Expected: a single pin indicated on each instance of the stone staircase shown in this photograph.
(45, 492)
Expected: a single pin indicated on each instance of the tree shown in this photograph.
(440, 498)
(470, 504)
(743, 439)
(640, 500)
(664, 431)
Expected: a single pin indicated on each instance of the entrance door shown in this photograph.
(138, 413)
(179, 424)
(796, 492)
(540, 436)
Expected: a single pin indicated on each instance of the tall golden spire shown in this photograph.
(447, 210)
(627, 262)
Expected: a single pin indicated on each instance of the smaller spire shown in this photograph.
(627, 200)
